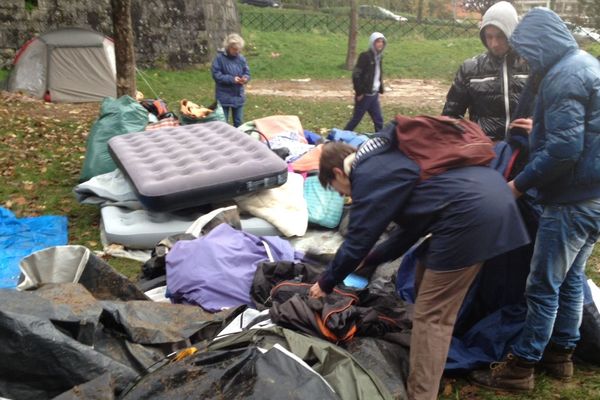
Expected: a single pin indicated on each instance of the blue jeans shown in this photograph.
(237, 112)
(368, 104)
(554, 291)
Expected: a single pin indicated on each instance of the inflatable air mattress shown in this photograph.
(192, 165)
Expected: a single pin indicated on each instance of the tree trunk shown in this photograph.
(420, 10)
(352, 35)
(124, 54)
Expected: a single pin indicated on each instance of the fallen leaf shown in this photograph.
(20, 201)
(448, 389)
(28, 185)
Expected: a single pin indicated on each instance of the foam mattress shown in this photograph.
(192, 165)
(142, 229)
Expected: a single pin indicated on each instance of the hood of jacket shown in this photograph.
(374, 36)
(542, 39)
(503, 16)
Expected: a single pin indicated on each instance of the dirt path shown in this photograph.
(412, 93)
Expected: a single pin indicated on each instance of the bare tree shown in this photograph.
(124, 53)
(480, 6)
(419, 10)
(352, 35)
(591, 9)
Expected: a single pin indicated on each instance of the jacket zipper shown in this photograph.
(301, 284)
(506, 98)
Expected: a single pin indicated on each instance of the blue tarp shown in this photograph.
(349, 137)
(19, 237)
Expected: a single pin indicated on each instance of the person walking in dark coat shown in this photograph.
(469, 212)
(367, 79)
(489, 85)
(231, 72)
(564, 168)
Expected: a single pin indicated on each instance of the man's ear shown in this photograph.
(338, 173)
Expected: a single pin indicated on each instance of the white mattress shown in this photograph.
(142, 229)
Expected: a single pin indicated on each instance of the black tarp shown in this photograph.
(238, 373)
(232, 368)
(59, 336)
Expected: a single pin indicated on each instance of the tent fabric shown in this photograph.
(19, 237)
(387, 361)
(236, 373)
(29, 74)
(80, 74)
(109, 189)
(349, 378)
(70, 64)
(73, 37)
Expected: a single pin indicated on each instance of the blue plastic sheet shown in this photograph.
(19, 237)
(349, 137)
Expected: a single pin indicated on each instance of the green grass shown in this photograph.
(283, 55)
(592, 48)
(319, 56)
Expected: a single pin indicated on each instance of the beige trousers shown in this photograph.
(439, 297)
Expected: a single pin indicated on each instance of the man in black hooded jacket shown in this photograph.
(490, 84)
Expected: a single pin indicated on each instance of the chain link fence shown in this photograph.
(432, 29)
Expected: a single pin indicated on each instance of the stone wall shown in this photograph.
(168, 33)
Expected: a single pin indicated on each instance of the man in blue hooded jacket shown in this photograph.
(564, 167)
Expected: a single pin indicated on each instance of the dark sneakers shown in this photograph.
(512, 374)
(557, 362)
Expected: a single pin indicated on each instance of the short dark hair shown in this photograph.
(332, 156)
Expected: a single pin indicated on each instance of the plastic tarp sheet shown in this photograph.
(242, 373)
(232, 368)
(59, 336)
(117, 117)
(19, 237)
(76, 264)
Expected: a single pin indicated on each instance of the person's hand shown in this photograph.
(360, 97)
(244, 80)
(316, 292)
(238, 80)
(523, 123)
(514, 189)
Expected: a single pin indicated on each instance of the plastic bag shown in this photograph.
(117, 117)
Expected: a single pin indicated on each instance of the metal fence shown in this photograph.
(325, 23)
